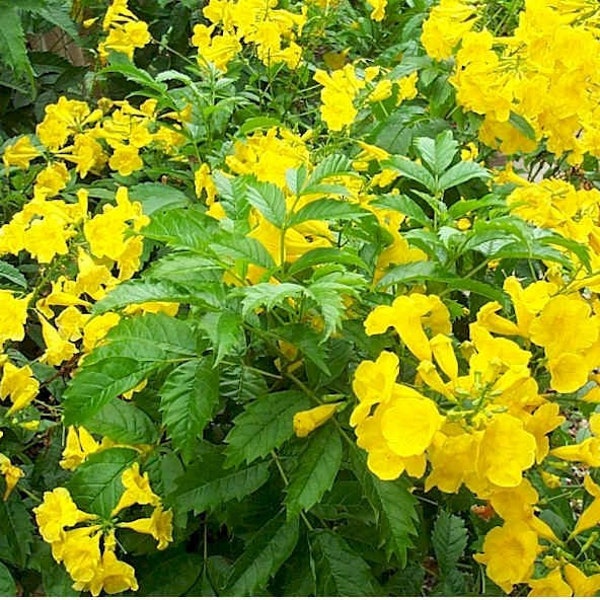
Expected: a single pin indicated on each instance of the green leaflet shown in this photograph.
(339, 570)
(263, 426)
(315, 472)
(270, 546)
(96, 484)
(188, 399)
(449, 539)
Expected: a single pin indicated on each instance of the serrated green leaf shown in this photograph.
(57, 13)
(339, 570)
(269, 200)
(321, 256)
(13, 49)
(411, 170)
(437, 154)
(188, 399)
(181, 228)
(268, 295)
(268, 549)
(123, 423)
(155, 573)
(316, 470)
(208, 484)
(132, 350)
(405, 205)
(421, 269)
(12, 274)
(143, 290)
(96, 485)
(264, 425)
(295, 178)
(225, 331)
(394, 506)
(334, 164)
(327, 209)
(7, 583)
(183, 267)
(123, 66)
(243, 248)
(16, 531)
(449, 539)
(157, 196)
(461, 173)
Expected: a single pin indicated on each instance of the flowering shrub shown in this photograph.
(272, 320)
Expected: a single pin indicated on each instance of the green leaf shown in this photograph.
(339, 570)
(321, 256)
(394, 507)
(255, 123)
(144, 290)
(437, 154)
(268, 549)
(269, 200)
(16, 531)
(411, 170)
(124, 423)
(132, 350)
(157, 196)
(188, 399)
(421, 269)
(96, 485)
(522, 125)
(225, 331)
(449, 539)
(243, 248)
(315, 472)
(405, 205)
(57, 13)
(155, 572)
(181, 228)
(7, 583)
(13, 49)
(327, 209)
(295, 178)
(12, 274)
(267, 294)
(123, 66)
(460, 173)
(334, 164)
(263, 426)
(183, 267)
(209, 485)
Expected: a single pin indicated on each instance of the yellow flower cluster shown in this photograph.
(273, 31)
(125, 31)
(341, 97)
(79, 548)
(533, 74)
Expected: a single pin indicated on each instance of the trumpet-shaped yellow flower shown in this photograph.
(79, 445)
(551, 585)
(137, 489)
(590, 517)
(306, 421)
(581, 584)
(13, 314)
(159, 525)
(11, 474)
(56, 512)
(19, 384)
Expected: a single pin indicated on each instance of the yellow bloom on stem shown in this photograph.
(20, 153)
(79, 445)
(125, 160)
(509, 552)
(505, 451)
(545, 419)
(581, 584)
(20, 384)
(159, 525)
(56, 512)
(587, 452)
(550, 585)
(112, 575)
(11, 474)
(306, 421)
(13, 314)
(79, 550)
(590, 517)
(137, 490)
(451, 459)
(58, 349)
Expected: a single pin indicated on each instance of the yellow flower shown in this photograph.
(506, 450)
(159, 525)
(20, 153)
(551, 585)
(545, 419)
(373, 382)
(581, 584)
(79, 445)
(587, 452)
(509, 553)
(56, 512)
(306, 421)
(80, 551)
(137, 489)
(20, 384)
(13, 314)
(590, 517)
(58, 349)
(112, 575)
(451, 459)
(409, 422)
(95, 330)
(125, 160)
(11, 474)
(441, 346)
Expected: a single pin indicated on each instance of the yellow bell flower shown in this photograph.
(306, 421)
(159, 525)
(137, 490)
(11, 474)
